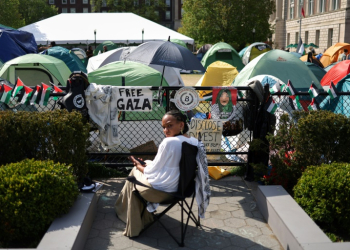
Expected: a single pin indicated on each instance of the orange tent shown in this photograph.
(332, 53)
(314, 60)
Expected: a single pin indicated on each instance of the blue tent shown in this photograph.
(340, 104)
(67, 56)
(241, 52)
(15, 43)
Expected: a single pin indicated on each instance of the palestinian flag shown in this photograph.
(28, 92)
(18, 86)
(6, 93)
(290, 89)
(332, 91)
(275, 88)
(45, 94)
(240, 94)
(35, 95)
(56, 90)
(296, 102)
(313, 91)
(313, 105)
(283, 86)
(271, 106)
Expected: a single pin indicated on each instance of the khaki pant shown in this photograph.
(129, 207)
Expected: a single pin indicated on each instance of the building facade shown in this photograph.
(170, 17)
(326, 22)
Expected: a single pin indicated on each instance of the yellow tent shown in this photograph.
(217, 74)
(331, 54)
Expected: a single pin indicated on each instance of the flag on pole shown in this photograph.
(271, 106)
(300, 48)
(6, 93)
(28, 92)
(313, 105)
(296, 102)
(275, 88)
(34, 98)
(332, 91)
(302, 12)
(56, 90)
(290, 88)
(45, 94)
(313, 91)
(18, 86)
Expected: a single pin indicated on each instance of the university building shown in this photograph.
(170, 17)
(326, 22)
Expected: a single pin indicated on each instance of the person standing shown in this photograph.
(343, 56)
(89, 52)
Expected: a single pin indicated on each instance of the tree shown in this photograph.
(9, 14)
(230, 21)
(149, 9)
(36, 10)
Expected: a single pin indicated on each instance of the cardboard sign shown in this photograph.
(210, 130)
(134, 99)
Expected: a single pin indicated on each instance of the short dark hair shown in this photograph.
(179, 117)
(345, 51)
(53, 44)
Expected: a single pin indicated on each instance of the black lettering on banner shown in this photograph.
(129, 105)
(120, 104)
(127, 92)
(146, 104)
(136, 101)
(121, 90)
(139, 92)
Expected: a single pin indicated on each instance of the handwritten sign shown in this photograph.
(211, 131)
(134, 99)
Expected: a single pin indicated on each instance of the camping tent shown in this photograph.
(332, 53)
(36, 68)
(340, 104)
(222, 52)
(202, 50)
(295, 54)
(179, 42)
(317, 70)
(75, 28)
(328, 68)
(67, 56)
(217, 74)
(241, 52)
(282, 65)
(254, 50)
(81, 54)
(136, 74)
(109, 44)
(336, 73)
(15, 43)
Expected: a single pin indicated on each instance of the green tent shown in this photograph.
(33, 69)
(136, 74)
(317, 70)
(179, 42)
(282, 65)
(222, 52)
(110, 45)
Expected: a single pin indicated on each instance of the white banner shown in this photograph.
(134, 99)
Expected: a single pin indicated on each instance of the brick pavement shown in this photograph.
(232, 221)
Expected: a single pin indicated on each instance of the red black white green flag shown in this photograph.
(332, 91)
(290, 89)
(28, 92)
(45, 94)
(313, 91)
(6, 93)
(271, 106)
(18, 86)
(35, 95)
(296, 103)
(313, 105)
(56, 90)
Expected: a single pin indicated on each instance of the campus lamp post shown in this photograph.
(253, 35)
(142, 35)
(95, 37)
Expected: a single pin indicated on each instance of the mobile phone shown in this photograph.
(140, 161)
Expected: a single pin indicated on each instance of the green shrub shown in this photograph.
(317, 137)
(32, 194)
(53, 135)
(324, 193)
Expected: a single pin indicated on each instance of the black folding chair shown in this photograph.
(186, 188)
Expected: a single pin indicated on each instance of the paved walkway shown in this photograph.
(232, 221)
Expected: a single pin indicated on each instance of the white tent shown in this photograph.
(116, 27)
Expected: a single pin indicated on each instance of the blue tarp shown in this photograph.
(15, 43)
(67, 56)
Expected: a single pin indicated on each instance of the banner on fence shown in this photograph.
(210, 130)
(134, 99)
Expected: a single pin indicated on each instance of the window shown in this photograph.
(291, 9)
(167, 15)
(317, 40)
(104, 3)
(51, 1)
(288, 38)
(311, 7)
(167, 3)
(64, 10)
(296, 37)
(300, 5)
(335, 5)
(85, 1)
(330, 37)
(64, 1)
(136, 3)
(147, 2)
(85, 10)
(72, 1)
(322, 6)
(72, 10)
(306, 38)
